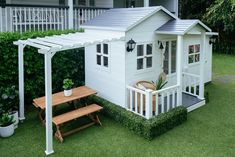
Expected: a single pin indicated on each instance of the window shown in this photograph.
(102, 55)
(169, 63)
(144, 56)
(194, 54)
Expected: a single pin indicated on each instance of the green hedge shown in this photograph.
(65, 64)
(139, 125)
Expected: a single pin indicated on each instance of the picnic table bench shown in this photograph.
(59, 98)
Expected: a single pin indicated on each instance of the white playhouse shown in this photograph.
(127, 49)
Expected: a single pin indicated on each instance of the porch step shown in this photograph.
(191, 102)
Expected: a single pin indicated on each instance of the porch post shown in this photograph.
(146, 3)
(149, 104)
(70, 4)
(48, 91)
(21, 80)
(179, 68)
(202, 62)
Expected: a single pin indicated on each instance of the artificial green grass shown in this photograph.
(209, 131)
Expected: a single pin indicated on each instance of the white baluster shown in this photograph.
(131, 100)
(156, 103)
(141, 104)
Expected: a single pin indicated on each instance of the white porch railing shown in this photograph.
(151, 103)
(191, 84)
(20, 18)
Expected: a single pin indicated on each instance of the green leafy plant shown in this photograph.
(161, 82)
(6, 120)
(68, 84)
(8, 99)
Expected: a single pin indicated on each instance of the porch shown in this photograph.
(151, 103)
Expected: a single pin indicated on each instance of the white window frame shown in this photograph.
(145, 56)
(102, 56)
(170, 57)
(194, 54)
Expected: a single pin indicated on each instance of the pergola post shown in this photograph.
(70, 4)
(48, 97)
(179, 68)
(146, 3)
(202, 62)
(21, 80)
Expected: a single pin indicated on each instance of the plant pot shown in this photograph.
(68, 92)
(7, 131)
(15, 114)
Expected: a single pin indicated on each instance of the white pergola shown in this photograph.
(48, 46)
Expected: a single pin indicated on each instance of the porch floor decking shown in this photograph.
(189, 100)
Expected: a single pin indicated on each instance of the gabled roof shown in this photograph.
(180, 27)
(123, 19)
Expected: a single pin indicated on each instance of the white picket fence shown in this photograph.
(22, 19)
(151, 103)
(191, 84)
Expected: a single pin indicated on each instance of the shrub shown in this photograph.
(8, 99)
(69, 64)
(139, 125)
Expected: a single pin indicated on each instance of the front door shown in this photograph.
(169, 61)
(128, 3)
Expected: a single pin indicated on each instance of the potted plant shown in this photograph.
(9, 103)
(67, 85)
(160, 83)
(6, 125)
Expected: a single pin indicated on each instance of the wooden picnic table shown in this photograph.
(59, 98)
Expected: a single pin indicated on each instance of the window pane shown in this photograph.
(140, 50)
(98, 48)
(106, 61)
(149, 49)
(173, 56)
(149, 62)
(197, 58)
(191, 49)
(191, 59)
(140, 63)
(105, 48)
(98, 59)
(197, 48)
(166, 59)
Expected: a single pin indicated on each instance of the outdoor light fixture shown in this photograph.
(212, 40)
(161, 47)
(130, 45)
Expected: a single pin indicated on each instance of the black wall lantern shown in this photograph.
(212, 40)
(161, 47)
(130, 45)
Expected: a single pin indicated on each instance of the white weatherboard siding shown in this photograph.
(169, 4)
(144, 33)
(195, 67)
(104, 3)
(109, 83)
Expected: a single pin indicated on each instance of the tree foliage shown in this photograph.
(221, 16)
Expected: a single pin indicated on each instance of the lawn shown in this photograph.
(209, 131)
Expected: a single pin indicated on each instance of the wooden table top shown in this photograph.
(59, 98)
